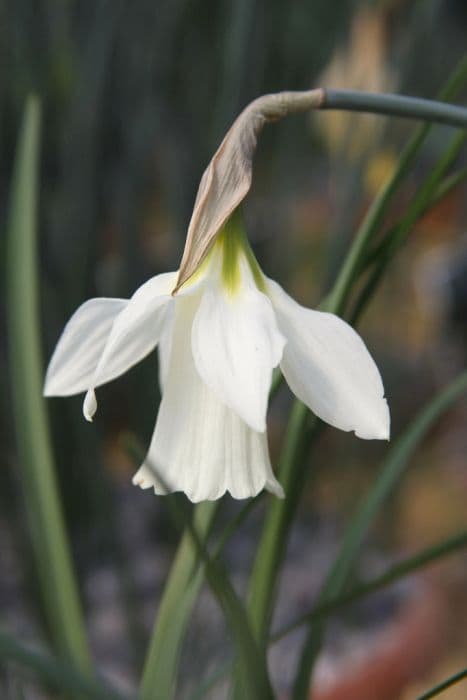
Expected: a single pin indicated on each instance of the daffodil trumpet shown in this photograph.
(219, 338)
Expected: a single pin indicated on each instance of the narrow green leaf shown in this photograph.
(180, 593)
(279, 516)
(433, 188)
(447, 186)
(181, 590)
(373, 220)
(394, 573)
(47, 529)
(443, 189)
(437, 689)
(428, 189)
(54, 672)
(252, 659)
(390, 473)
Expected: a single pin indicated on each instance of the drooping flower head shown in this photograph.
(219, 339)
(221, 327)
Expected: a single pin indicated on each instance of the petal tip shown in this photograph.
(275, 488)
(386, 428)
(380, 426)
(49, 389)
(144, 478)
(89, 405)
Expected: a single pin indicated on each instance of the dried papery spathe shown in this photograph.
(227, 179)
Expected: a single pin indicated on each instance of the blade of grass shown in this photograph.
(47, 528)
(158, 681)
(445, 188)
(428, 190)
(179, 596)
(279, 516)
(448, 185)
(374, 218)
(437, 689)
(271, 550)
(56, 673)
(253, 660)
(180, 593)
(431, 191)
(393, 574)
(390, 473)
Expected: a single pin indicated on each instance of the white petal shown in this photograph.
(135, 332)
(199, 445)
(81, 344)
(236, 344)
(329, 368)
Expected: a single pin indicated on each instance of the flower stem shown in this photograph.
(273, 541)
(396, 106)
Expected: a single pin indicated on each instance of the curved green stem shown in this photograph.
(396, 106)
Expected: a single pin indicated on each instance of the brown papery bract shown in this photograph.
(227, 179)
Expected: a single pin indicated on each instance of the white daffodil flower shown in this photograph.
(219, 339)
